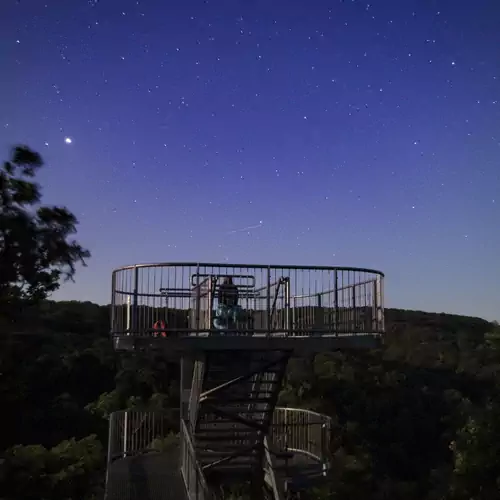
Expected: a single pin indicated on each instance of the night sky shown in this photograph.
(268, 131)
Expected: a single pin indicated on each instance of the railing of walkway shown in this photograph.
(302, 431)
(194, 479)
(133, 432)
(136, 432)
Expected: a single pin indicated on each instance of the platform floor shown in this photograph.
(207, 341)
(299, 469)
(156, 476)
(145, 477)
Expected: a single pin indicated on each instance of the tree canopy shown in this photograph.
(414, 420)
(36, 251)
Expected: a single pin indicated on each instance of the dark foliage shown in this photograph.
(35, 249)
(417, 419)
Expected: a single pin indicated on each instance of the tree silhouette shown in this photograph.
(36, 251)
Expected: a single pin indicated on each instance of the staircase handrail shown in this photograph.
(190, 466)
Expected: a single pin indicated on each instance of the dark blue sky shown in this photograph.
(283, 132)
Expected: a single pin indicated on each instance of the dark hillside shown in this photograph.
(413, 419)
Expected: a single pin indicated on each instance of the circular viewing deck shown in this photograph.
(185, 306)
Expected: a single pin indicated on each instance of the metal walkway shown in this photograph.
(151, 476)
(156, 476)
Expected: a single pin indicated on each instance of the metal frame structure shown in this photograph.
(231, 377)
(133, 432)
(297, 445)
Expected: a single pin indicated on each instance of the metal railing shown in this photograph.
(306, 432)
(192, 475)
(284, 300)
(302, 431)
(133, 432)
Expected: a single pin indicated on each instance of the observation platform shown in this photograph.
(233, 328)
(173, 307)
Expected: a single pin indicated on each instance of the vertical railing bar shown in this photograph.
(125, 433)
(336, 301)
(268, 301)
(113, 302)
(135, 301)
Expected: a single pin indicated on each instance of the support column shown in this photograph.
(187, 368)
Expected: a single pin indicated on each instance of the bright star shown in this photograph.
(68, 140)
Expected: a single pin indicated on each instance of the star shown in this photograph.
(230, 119)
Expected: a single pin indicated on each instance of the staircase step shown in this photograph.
(231, 468)
(242, 400)
(223, 427)
(220, 436)
(219, 454)
(212, 443)
(231, 416)
(227, 426)
(240, 369)
(236, 400)
(246, 409)
(227, 447)
(240, 386)
(251, 391)
(242, 396)
(225, 451)
(242, 411)
(233, 413)
(235, 408)
(225, 375)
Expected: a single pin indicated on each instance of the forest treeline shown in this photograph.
(417, 419)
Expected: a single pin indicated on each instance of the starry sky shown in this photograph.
(268, 131)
